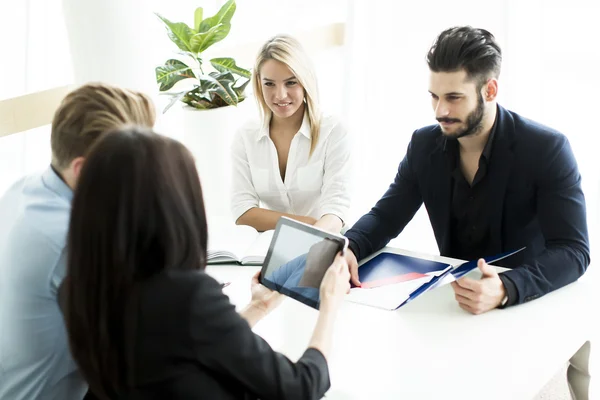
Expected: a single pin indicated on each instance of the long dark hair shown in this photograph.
(137, 211)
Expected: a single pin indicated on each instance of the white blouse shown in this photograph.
(312, 187)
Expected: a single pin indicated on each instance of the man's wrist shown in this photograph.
(510, 291)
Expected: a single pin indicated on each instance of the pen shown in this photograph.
(224, 285)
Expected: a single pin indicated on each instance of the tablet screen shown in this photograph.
(298, 258)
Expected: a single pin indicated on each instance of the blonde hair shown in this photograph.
(287, 50)
(91, 110)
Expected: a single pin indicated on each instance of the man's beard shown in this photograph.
(474, 122)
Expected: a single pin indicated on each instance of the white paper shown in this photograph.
(388, 297)
(228, 242)
(257, 251)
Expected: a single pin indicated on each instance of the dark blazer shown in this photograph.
(535, 201)
(192, 344)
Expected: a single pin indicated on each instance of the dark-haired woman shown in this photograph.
(144, 320)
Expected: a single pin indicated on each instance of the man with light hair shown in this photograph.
(35, 362)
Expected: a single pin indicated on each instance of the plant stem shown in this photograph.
(200, 65)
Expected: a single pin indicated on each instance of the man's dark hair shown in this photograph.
(463, 47)
(137, 211)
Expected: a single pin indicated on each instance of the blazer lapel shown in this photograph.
(500, 166)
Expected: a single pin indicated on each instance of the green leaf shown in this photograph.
(179, 33)
(194, 99)
(172, 72)
(174, 100)
(220, 85)
(199, 104)
(201, 41)
(228, 64)
(222, 17)
(198, 18)
(240, 89)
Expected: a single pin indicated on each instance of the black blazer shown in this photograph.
(536, 201)
(192, 344)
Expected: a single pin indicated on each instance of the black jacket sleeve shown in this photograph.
(562, 218)
(225, 344)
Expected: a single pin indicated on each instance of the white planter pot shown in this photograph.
(209, 134)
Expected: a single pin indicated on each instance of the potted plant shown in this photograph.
(207, 123)
(222, 87)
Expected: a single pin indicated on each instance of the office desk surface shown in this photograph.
(431, 348)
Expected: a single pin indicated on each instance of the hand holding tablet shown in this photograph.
(298, 259)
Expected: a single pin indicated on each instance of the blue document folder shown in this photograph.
(457, 272)
(390, 280)
(387, 268)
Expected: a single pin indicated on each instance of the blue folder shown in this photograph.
(457, 271)
(388, 265)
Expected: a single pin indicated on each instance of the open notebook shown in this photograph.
(229, 243)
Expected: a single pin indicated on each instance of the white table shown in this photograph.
(431, 348)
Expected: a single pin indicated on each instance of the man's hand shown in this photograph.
(352, 266)
(479, 296)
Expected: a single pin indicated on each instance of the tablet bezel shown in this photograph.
(285, 221)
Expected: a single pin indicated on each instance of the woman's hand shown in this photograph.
(336, 283)
(264, 298)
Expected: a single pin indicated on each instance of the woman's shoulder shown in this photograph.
(330, 120)
(332, 124)
(250, 128)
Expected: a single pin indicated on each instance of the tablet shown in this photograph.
(298, 258)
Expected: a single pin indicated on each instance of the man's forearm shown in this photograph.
(555, 267)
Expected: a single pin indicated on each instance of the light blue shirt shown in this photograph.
(35, 362)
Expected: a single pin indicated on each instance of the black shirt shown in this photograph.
(469, 216)
(469, 219)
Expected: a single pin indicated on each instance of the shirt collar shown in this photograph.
(55, 183)
(304, 128)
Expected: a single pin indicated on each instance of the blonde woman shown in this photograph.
(295, 161)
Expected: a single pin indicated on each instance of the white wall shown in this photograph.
(377, 82)
(549, 74)
(35, 41)
(35, 56)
